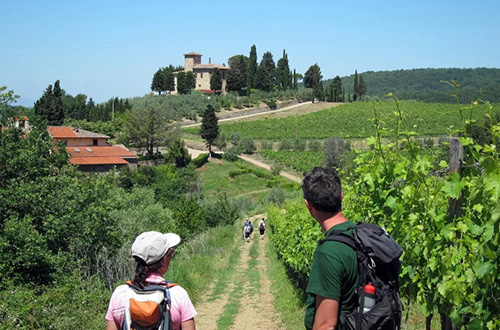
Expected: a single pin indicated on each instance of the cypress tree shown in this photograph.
(157, 83)
(252, 68)
(209, 127)
(216, 80)
(356, 87)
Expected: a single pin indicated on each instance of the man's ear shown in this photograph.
(308, 205)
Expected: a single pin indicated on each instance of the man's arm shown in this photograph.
(327, 314)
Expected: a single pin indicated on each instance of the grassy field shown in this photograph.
(355, 120)
(215, 178)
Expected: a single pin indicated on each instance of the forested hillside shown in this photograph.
(426, 84)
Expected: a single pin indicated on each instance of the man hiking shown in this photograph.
(247, 230)
(262, 228)
(332, 286)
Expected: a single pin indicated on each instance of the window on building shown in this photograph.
(94, 142)
(201, 75)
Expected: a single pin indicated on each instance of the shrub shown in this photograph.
(299, 144)
(286, 145)
(266, 145)
(222, 211)
(276, 169)
(247, 146)
(235, 138)
(315, 145)
(334, 148)
(232, 154)
(201, 160)
(271, 104)
(220, 141)
(276, 196)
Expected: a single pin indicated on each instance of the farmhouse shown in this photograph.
(202, 72)
(91, 151)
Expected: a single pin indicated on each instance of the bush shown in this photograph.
(222, 211)
(232, 154)
(334, 149)
(271, 104)
(286, 145)
(276, 169)
(266, 145)
(201, 160)
(247, 146)
(235, 138)
(299, 144)
(315, 145)
(276, 196)
(220, 141)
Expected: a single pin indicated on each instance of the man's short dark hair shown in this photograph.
(322, 189)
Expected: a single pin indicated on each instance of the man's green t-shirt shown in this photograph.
(334, 275)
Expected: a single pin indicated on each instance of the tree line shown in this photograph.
(55, 105)
(426, 85)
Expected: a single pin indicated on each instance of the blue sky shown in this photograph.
(113, 48)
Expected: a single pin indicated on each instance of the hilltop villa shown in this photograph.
(202, 72)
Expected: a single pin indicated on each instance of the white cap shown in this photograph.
(151, 246)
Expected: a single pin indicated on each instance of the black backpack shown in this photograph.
(378, 263)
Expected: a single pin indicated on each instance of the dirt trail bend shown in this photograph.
(246, 301)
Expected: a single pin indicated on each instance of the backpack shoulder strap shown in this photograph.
(340, 236)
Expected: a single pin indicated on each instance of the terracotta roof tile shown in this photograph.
(100, 151)
(210, 66)
(192, 53)
(98, 161)
(61, 132)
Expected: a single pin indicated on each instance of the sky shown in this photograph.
(107, 49)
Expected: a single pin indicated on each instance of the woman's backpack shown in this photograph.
(378, 263)
(148, 307)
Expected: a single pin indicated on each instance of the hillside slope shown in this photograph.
(426, 84)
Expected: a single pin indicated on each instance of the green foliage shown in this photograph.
(209, 127)
(315, 145)
(220, 212)
(252, 68)
(216, 80)
(232, 154)
(220, 141)
(301, 161)
(188, 218)
(334, 149)
(266, 145)
(299, 144)
(247, 146)
(355, 120)
(201, 160)
(425, 85)
(237, 75)
(178, 154)
(50, 105)
(283, 75)
(449, 260)
(146, 126)
(276, 196)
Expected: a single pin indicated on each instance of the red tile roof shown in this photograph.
(193, 53)
(98, 151)
(61, 132)
(98, 161)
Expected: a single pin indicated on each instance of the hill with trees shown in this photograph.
(427, 85)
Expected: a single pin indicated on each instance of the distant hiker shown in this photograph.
(130, 304)
(247, 230)
(246, 223)
(262, 228)
(332, 286)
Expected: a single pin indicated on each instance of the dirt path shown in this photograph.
(268, 167)
(248, 291)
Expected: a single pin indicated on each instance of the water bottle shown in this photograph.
(370, 297)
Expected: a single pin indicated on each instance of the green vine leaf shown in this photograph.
(484, 268)
(454, 186)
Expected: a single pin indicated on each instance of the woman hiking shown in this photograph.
(153, 252)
